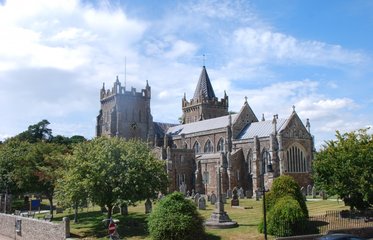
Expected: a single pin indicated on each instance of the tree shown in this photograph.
(36, 132)
(111, 170)
(176, 218)
(344, 167)
(286, 207)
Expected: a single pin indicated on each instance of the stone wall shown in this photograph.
(31, 228)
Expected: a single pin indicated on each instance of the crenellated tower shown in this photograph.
(125, 113)
(204, 104)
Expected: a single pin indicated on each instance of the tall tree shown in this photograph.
(111, 170)
(344, 167)
(36, 132)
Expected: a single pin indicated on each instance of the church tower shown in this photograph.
(125, 113)
(204, 104)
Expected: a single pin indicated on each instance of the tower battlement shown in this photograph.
(118, 89)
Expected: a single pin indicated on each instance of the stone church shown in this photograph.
(250, 153)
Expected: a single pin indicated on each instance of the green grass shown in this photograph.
(133, 226)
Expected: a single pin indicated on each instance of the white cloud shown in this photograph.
(265, 45)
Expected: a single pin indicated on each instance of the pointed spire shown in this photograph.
(308, 125)
(204, 88)
(103, 86)
(263, 119)
(117, 79)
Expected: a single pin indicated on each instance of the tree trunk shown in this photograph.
(76, 213)
(109, 211)
(50, 198)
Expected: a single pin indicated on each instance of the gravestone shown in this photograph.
(188, 194)
(240, 193)
(309, 190)
(229, 193)
(304, 191)
(202, 203)
(196, 198)
(224, 198)
(257, 195)
(313, 192)
(213, 198)
(235, 201)
(249, 194)
(148, 206)
(182, 188)
(193, 193)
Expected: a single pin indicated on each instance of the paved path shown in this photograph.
(2, 237)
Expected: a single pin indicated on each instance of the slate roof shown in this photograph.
(261, 129)
(204, 87)
(205, 125)
(161, 128)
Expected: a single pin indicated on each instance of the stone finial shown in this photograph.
(308, 125)
(263, 119)
(293, 108)
(245, 99)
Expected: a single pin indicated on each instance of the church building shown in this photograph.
(249, 152)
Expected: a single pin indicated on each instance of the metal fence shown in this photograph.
(331, 220)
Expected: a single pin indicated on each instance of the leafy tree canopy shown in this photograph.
(344, 167)
(36, 132)
(109, 170)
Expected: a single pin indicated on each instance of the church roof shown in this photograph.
(204, 88)
(205, 125)
(261, 129)
(161, 128)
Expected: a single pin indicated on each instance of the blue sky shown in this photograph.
(316, 55)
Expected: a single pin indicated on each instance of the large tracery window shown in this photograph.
(208, 147)
(196, 147)
(296, 160)
(266, 157)
(220, 147)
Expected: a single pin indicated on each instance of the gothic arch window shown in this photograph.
(220, 146)
(249, 161)
(196, 147)
(296, 160)
(266, 158)
(208, 148)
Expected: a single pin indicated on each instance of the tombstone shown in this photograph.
(193, 194)
(304, 192)
(309, 190)
(224, 198)
(313, 192)
(213, 198)
(249, 194)
(241, 195)
(182, 188)
(196, 197)
(257, 195)
(229, 193)
(148, 206)
(235, 201)
(202, 203)
(124, 210)
(160, 196)
(188, 194)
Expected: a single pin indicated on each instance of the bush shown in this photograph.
(286, 218)
(176, 218)
(286, 186)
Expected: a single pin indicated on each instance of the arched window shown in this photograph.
(208, 147)
(249, 161)
(296, 160)
(266, 158)
(196, 147)
(220, 147)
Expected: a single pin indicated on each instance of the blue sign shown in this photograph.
(35, 203)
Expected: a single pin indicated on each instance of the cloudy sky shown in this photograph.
(316, 55)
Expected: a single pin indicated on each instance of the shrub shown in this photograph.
(176, 218)
(286, 218)
(286, 186)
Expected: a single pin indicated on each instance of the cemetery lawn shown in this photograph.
(133, 226)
